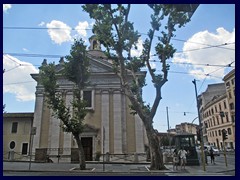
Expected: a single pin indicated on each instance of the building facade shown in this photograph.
(16, 135)
(186, 128)
(229, 81)
(212, 91)
(110, 126)
(216, 117)
(217, 110)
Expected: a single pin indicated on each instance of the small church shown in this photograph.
(110, 128)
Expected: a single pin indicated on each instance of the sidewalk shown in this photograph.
(138, 169)
(210, 170)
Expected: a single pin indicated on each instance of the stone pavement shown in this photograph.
(138, 169)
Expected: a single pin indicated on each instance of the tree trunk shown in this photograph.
(155, 151)
(82, 162)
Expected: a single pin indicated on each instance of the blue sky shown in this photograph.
(211, 25)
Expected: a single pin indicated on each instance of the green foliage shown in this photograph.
(118, 35)
(76, 69)
(4, 106)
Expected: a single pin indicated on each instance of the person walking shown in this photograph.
(175, 159)
(212, 156)
(183, 157)
(205, 155)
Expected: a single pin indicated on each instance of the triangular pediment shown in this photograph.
(100, 66)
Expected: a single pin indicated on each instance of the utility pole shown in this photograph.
(168, 130)
(200, 126)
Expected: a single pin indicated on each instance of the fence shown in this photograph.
(15, 156)
(58, 155)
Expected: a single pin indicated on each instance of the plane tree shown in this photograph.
(117, 34)
(76, 70)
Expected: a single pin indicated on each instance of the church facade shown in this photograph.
(110, 126)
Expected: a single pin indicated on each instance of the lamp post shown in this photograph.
(200, 126)
(192, 122)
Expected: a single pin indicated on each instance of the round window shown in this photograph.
(12, 145)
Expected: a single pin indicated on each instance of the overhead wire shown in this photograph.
(58, 56)
(19, 83)
(175, 39)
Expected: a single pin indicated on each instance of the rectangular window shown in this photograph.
(87, 96)
(14, 127)
(222, 120)
(220, 107)
(217, 120)
(24, 148)
(228, 84)
(226, 114)
(232, 106)
(225, 105)
(230, 95)
(219, 132)
(233, 81)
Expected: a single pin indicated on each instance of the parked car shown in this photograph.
(228, 149)
(215, 150)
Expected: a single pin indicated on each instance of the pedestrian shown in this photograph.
(183, 157)
(212, 156)
(206, 154)
(175, 159)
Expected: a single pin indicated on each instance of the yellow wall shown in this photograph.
(22, 135)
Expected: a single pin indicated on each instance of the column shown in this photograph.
(117, 119)
(139, 134)
(124, 125)
(68, 136)
(105, 121)
(37, 121)
(54, 130)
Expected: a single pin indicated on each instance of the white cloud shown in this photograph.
(137, 52)
(81, 28)
(41, 23)
(26, 50)
(15, 74)
(59, 35)
(6, 7)
(204, 54)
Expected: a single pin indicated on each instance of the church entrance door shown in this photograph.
(87, 147)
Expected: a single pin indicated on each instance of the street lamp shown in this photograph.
(200, 126)
(192, 122)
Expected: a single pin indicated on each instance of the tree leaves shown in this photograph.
(76, 69)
